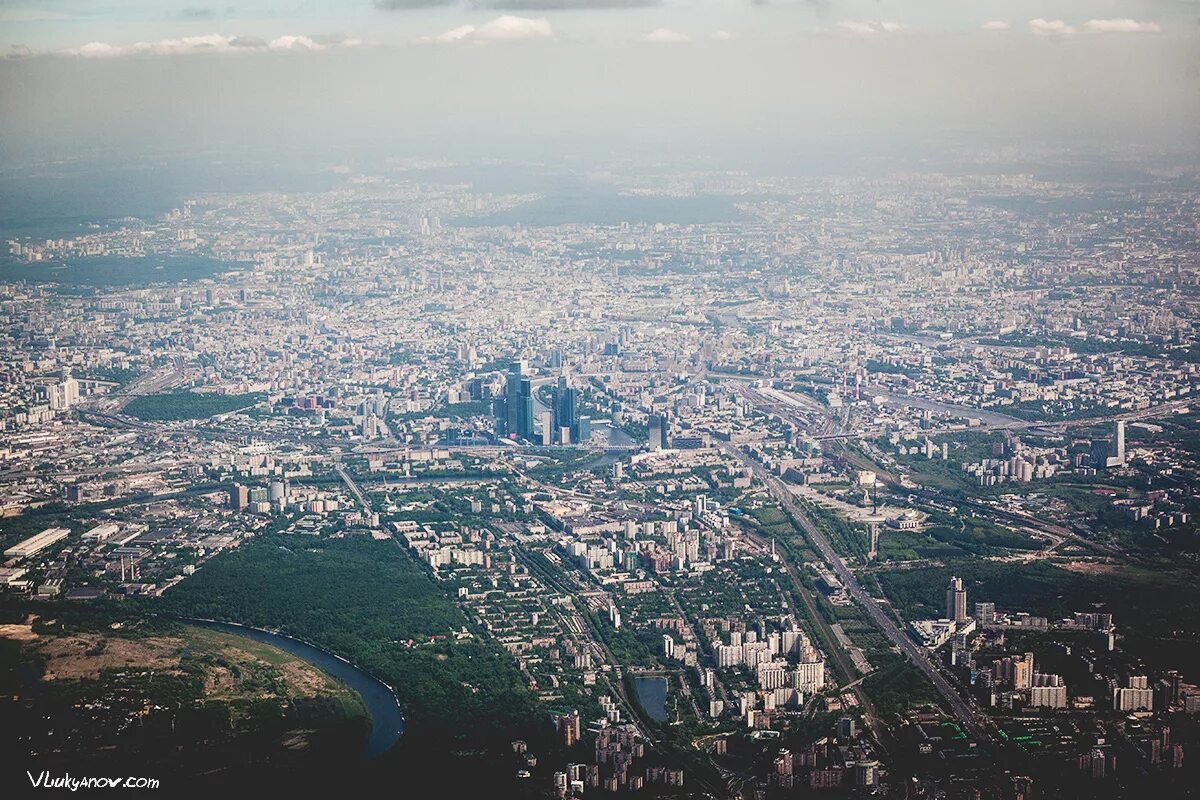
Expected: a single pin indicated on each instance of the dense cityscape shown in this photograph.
(588, 399)
(875, 487)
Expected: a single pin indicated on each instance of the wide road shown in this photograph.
(967, 716)
(837, 652)
(358, 495)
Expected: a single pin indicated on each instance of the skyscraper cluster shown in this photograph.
(515, 409)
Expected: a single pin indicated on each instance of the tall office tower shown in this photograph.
(518, 399)
(547, 428)
(566, 411)
(1119, 442)
(512, 400)
(500, 412)
(956, 601)
(526, 420)
(659, 430)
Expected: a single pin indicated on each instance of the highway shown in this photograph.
(967, 716)
(840, 655)
(358, 495)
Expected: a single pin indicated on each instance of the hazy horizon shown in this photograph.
(730, 81)
(564, 399)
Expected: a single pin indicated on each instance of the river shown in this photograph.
(986, 416)
(387, 721)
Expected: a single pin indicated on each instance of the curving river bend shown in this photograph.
(387, 721)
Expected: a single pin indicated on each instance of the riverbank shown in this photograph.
(383, 707)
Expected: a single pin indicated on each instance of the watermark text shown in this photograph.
(44, 780)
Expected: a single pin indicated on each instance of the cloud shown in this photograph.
(294, 43)
(212, 43)
(506, 28)
(17, 51)
(996, 25)
(871, 28)
(208, 43)
(510, 27)
(664, 36)
(1057, 29)
(563, 5)
(460, 34)
(1120, 26)
(721, 36)
(1051, 29)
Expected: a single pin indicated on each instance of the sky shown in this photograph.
(502, 77)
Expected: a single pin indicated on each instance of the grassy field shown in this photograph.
(913, 545)
(229, 667)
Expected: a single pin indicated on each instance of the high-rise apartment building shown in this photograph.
(956, 601)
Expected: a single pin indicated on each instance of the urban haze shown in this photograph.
(565, 399)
